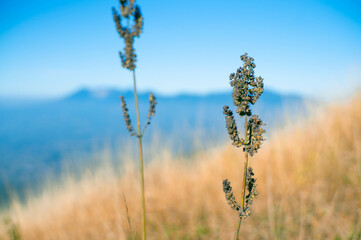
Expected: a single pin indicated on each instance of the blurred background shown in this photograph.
(61, 76)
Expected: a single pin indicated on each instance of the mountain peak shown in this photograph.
(98, 94)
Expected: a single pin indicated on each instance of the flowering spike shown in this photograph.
(246, 90)
(151, 110)
(127, 117)
(254, 132)
(232, 127)
(131, 13)
(251, 187)
(246, 87)
(227, 189)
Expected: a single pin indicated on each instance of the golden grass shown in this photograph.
(309, 179)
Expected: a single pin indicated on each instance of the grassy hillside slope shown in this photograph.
(309, 180)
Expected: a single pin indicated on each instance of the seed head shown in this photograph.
(126, 117)
(252, 193)
(251, 187)
(227, 189)
(131, 13)
(254, 132)
(151, 110)
(232, 127)
(246, 87)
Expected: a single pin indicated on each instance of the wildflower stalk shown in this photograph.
(246, 90)
(245, 167)
(238, 228)
(130, 11)
(244, 181)
(141, 163)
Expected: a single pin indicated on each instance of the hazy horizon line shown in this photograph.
(142, 91)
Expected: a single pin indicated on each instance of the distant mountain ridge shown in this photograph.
(110, 94)
(37, 137)
(98, 94)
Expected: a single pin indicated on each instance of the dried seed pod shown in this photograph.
(252, 193)
(232, 127)
(227, 189)
(151, 110)
(251, 187)
(138, 19)
(127, 117)
(254, 132)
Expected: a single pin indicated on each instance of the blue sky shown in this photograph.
(51, 48)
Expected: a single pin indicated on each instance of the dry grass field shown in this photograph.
(309, 180)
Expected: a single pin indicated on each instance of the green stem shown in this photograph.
(238, 228)
(244, 178)
(140, 155)
(244, 181)
(245, 164)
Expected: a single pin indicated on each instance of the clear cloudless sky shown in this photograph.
(51, 48)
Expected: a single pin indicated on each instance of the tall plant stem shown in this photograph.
(140, 155)
(238, 228)
(244, 179)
